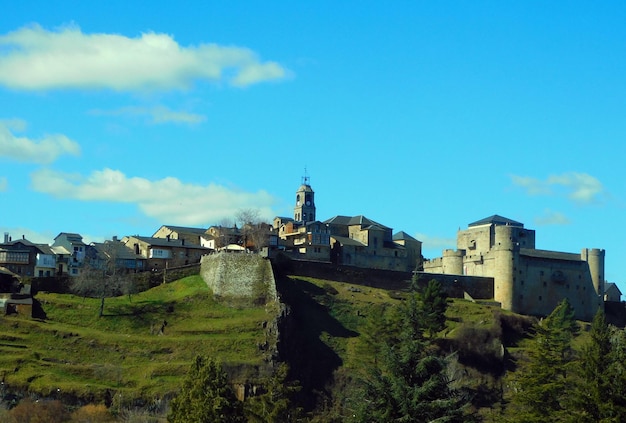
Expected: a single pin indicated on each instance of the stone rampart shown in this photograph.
(455, 285)
(478, 287)
(239, 275)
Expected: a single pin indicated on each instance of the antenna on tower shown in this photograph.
(305, 178)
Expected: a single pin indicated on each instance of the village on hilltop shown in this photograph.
(494, 252)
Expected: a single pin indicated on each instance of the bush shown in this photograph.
(92, 413)
(480, 348)
(29, 411)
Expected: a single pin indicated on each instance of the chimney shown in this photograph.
(23, 236)
(115, 238)
(6, 237)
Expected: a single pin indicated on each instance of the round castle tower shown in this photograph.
(506, 253)
(595, 259)
(452, 262)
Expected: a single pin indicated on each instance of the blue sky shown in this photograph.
(118, 117)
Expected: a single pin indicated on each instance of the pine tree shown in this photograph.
(274, 406)
(411, 385)
(434, 305)
(600, 392)
(591, 390)
(541, 383)
(205, 396)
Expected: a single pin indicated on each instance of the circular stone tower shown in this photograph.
(505, 251)
(595, 259)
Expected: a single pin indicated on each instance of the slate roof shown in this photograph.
(611, 285)
(185, 230)
(547, 254)
(343, 240)
(164, 242)
(120, 250)
(399, 236)
(354, 220)
(496, 220)
(72, 237)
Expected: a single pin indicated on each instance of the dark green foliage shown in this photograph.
(274, 406)
(411, 384)
(206, 396)
(541, 383)
(600, 393)
(434, 305)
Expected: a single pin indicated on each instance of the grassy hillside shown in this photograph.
(329, 340)
(334, 342)
(73, 353)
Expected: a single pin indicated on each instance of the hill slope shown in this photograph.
(138, 350)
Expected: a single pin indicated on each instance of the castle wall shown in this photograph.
(455, 285)
(238, 275)
(526, 280)
(544, 278)
(382, 258)
(475, 239)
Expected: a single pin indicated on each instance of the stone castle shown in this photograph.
(494, 250)
(526, 280)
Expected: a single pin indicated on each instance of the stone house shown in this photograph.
(113, 252)
(160, 253)
(343, 240)
(26, 258)
(612, 292)
(190, 235)
(73, 243)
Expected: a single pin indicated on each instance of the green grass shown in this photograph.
(88, 356)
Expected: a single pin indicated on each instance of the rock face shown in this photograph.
(239, 276)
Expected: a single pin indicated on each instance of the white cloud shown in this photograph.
(43, 151)
(16, 233)
(578, 187)
(33, 58)
(552, 218)
(168, 200)
(155, 115)
(4, 184)
(435, 243)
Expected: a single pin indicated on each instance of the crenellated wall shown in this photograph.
(526, 280)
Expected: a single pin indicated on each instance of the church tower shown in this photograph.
(305, 202)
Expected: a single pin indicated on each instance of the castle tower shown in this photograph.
(304, 211)
(595, 259)
(452, 262)
(506, 253)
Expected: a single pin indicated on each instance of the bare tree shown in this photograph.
(254, 231)
(100, 277)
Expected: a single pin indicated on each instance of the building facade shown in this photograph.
(344, 240)
(526, 280)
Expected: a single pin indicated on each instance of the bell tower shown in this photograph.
(304, 211)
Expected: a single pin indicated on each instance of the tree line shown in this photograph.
(558, 379)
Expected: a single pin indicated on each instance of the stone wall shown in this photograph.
(455, 285)
(239, 275)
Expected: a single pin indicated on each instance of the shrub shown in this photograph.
(330, 289)
(29, 411)
(92, 413)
